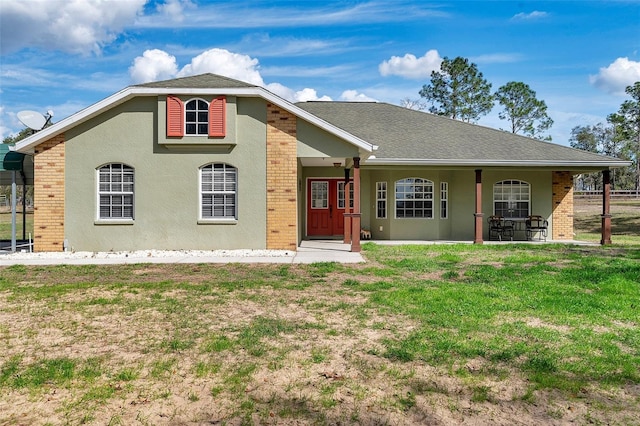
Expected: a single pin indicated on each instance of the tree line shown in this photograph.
(458, 90)
(619, 137)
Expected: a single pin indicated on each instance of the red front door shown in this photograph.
(325, 207)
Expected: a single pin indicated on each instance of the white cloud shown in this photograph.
(265, 15)
(10, 125)
(20, 76)
(268, 46)
(308, 72)
(409, 66)
(175, 9)
(536, 14)
(282, 91)
(73, 26)
(157, 64)
(354, 96)
(308, 94)
(617, 76)
(153, 65)
(291, 95)
(4, 130)
(496, 58)
(221, 61)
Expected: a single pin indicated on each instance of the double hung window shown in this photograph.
(381, 200)
(115, 191)
(444, 200)
(218, 191)
(512, 198)
(414, 198)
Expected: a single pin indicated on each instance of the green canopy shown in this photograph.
(11, 160)
(14, 161)
(15, 168)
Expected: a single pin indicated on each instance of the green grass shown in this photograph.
(299, 342)
(486, 314)
(5, 224)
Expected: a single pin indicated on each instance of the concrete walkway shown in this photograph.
(311, 251)
(308, 252)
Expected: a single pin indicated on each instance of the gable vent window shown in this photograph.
(115, 191)
(196, 117)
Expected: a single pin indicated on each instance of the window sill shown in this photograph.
(414, 218)
(196, 139)
(212, 146)
(113, 222)
(217, 221)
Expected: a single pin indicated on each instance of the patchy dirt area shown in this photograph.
(164, 345)
(593, 206)
(625, 221)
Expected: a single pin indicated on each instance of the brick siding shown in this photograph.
(562, 206)
(48, 198)
(281, 179)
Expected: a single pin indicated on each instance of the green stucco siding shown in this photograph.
(166, 180)
(231, 123)
(459, 226)
(540, 185)
(401, 229)
(315, 142)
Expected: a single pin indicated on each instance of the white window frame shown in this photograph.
(340, 202)
(424, 196)
(227, 189)
(444, 200)
(119, 186)
(314, 188)
(381, 200)
(197, 121)
(512, 191)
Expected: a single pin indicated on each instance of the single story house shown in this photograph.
(207, 162)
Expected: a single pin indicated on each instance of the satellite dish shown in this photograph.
(34, 120)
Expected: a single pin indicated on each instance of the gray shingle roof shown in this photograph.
(202, 81)
(401, 133)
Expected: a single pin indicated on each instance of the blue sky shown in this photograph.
(65, 55)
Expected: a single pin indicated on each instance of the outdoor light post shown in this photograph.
(13, 211)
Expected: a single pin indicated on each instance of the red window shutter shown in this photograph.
(218, 117)
(175, 117)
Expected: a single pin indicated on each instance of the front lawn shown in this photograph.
(501, 334)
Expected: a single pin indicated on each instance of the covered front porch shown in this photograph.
(331, 205)
(346, 201)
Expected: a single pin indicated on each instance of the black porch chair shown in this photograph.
(499, 228)
(536, 225)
